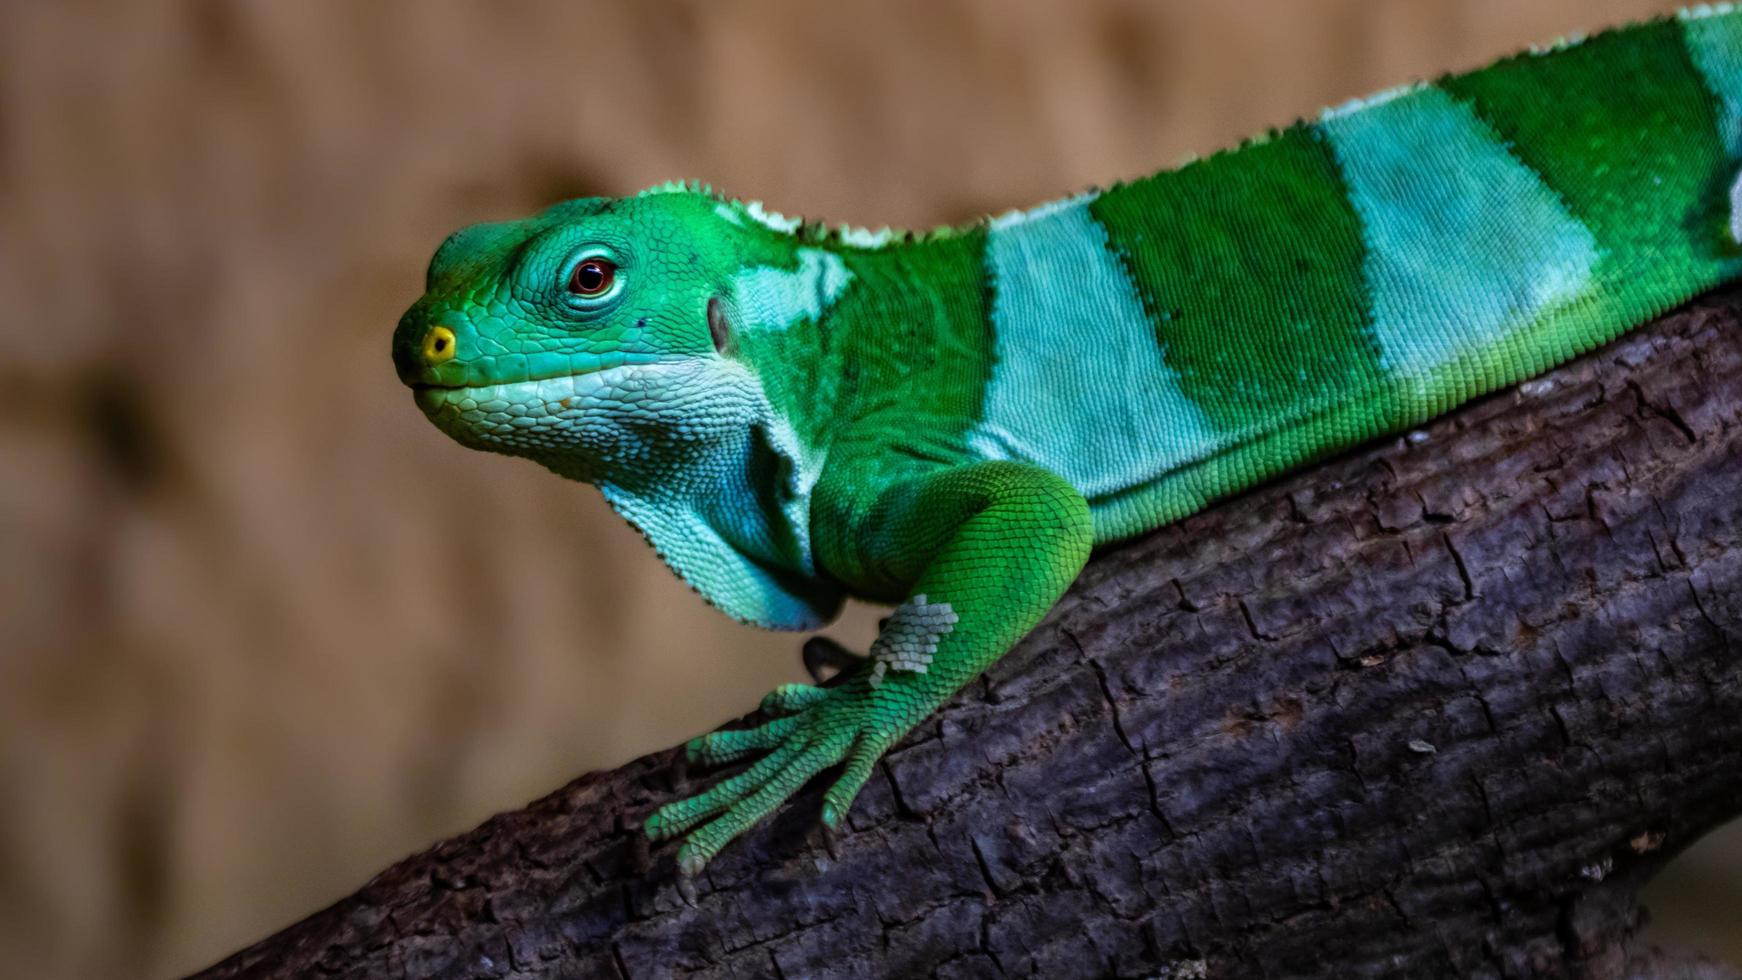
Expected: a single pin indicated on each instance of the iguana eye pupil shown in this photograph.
(592, 277)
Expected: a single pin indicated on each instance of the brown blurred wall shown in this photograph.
(262, 628)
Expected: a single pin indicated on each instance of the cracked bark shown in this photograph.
(1437, 707)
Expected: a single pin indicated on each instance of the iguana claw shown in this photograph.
(852, 722)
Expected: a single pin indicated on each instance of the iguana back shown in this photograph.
(1175, 339)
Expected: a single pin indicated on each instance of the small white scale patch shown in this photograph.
(911, 637)
(775, 299)
(1706, 10)
(1736, 210)
(773, 220)
(1012, 218)
(1369, 101)
(677, 187)
(1558, 44)
(865, 237)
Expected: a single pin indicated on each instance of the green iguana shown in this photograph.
(950, 421)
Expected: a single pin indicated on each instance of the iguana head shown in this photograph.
(590, 333)
(597, 338)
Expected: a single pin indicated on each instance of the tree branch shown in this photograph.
(1439, 707)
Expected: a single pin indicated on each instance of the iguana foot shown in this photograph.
(818, 728)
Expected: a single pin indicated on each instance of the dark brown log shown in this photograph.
(1438, 707)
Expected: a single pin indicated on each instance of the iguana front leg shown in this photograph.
(978, 553)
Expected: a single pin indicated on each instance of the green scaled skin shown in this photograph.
(950, 422)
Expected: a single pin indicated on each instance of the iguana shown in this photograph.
(949, 422)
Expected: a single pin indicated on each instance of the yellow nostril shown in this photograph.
(438, 345)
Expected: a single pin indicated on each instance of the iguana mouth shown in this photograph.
(565, 388)
(490, 409)
(511, 369)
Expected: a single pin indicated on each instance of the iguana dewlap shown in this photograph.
(949, 422)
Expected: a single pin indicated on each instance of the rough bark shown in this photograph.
(1437, 707)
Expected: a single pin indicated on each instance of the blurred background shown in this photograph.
(264, 630)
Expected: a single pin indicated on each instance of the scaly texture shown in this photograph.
(793, 415)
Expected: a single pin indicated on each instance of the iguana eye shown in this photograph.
(592, 277)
